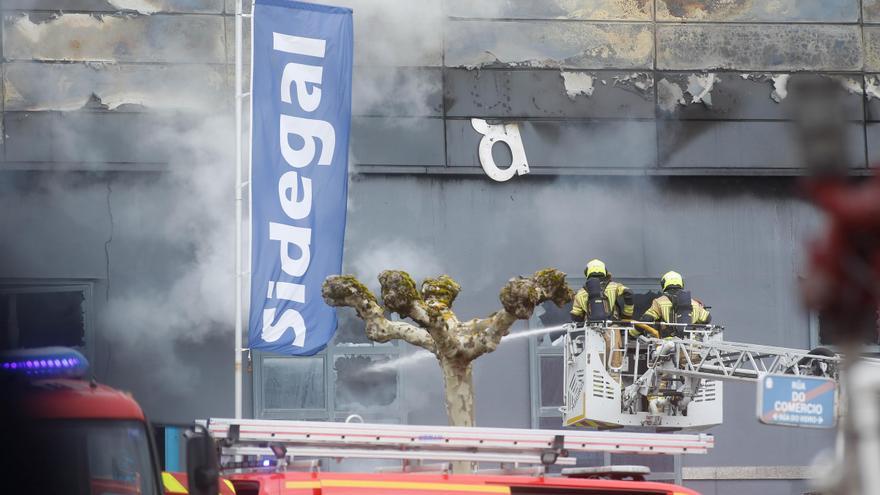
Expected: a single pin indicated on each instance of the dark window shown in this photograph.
(827, 337)
(551, 380)
(362, 383)
(42, 318)
(642, 301)
(89, 458)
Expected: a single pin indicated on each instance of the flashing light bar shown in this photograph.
(44, 362)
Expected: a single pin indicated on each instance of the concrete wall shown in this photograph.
(116, 171)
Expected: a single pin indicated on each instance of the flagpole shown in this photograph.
(238, 209)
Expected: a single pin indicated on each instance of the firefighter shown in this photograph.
(602, 299)
(675, 306)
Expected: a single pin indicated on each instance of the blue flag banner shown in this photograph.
(301, 89)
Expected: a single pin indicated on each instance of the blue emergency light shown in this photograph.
(44, 362)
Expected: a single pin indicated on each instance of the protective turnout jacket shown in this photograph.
(663, 309)
(617, 297)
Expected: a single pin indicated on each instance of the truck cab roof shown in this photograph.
(70, 398)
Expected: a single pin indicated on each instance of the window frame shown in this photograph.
(84, 286)
(330, 412)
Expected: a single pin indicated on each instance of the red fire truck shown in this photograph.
(270, 457)
(73, 436)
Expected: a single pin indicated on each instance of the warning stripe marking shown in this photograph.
(397, 485)
(172, 485)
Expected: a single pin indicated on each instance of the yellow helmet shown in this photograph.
(671, 278)
(595, 267)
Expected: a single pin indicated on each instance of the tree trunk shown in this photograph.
(459, 386)
(458, 378)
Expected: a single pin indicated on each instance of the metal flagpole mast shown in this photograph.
(238, 208)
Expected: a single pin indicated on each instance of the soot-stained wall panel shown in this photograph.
(872, 48)
(115, 38)
(70, 137)
(759, 10)
(870, 11)
(734, 145)
(623, 10)
(397, 141)
(549, 93)
(752, 47)
(578, 45)
(66, 86)
(736, 96)
(142, 6)
(565, 144)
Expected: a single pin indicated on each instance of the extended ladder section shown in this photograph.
(298, 440)
(613, 380)
(738, 361)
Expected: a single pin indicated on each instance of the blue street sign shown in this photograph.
(791, 400)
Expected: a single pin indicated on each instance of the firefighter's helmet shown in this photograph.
(671, 279)
(595, 268)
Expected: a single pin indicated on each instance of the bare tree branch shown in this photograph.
(519, 297)
(456, 344)
(346, 290)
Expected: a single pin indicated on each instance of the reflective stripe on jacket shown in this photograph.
(613, 291)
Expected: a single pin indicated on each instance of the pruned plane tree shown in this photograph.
(435, 327)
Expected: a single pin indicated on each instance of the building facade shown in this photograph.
(657, 134)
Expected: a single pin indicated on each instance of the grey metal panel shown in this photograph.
(871, 10)
(66, 86)
(873, 134)
(397, 141)
(759, 11)
(565, 144)
(542, 93)
(115, 38)
(733, 144)
(872, 48)
(628, 10)
(144, 6)
(71, 137)
(34, 135)
(397, 91)
(771, 47)
(749, 96)
(577, 45)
